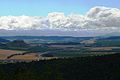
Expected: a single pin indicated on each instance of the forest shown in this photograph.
(105, 67)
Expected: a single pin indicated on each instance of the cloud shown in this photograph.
(97, 18)
(103, 17)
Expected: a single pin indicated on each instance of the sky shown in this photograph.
(43, 7)
(59, 17)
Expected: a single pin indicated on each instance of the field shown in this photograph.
(26, 57)
(5, 53)
(17, 55)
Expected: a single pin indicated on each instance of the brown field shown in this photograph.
(63, 46)
(102, 48)
(5, 53)
(30, 56)
(26, 57)
(88, 42)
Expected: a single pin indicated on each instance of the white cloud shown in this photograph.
(98, 18)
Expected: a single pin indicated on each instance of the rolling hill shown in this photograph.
(2, 40)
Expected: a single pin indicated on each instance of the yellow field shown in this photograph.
(102, 48)
(5, 53)
(30, 56)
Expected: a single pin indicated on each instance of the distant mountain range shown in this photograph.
(110, 38)
(53, 39)
(47, 38)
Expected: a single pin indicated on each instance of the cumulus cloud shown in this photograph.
(97, 18)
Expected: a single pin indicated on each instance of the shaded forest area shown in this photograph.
(85, 68)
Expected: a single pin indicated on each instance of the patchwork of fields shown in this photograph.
(28, 50)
